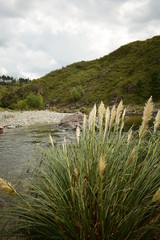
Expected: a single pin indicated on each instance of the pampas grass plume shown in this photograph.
(148, 110)
(156, 196)
(121, 129)
(107, 118)
(119, 112)
(157, 121)
(92, 117)
(64, 145)
(76, 172)
(102, 165)
(78, 131)
(113, 115)
(51, 140)
(84, 122)
(123, 115)
(6, 188)
(131, 155)
(129, 136)
(101, 112)
(147, 115)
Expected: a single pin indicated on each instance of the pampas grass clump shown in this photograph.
(105, 185)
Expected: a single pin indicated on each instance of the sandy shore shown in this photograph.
(26, 118)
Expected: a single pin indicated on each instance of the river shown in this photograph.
(21, 147)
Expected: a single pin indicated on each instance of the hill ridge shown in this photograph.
(131, 73)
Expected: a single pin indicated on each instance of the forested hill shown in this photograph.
(131, 73)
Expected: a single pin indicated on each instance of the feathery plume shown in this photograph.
(101, 112)
(148, 110)
(78, 131)
(113, 115)
(156, 196)
(147, 115)
(102, 165)
(131, 155)
(122, 126)
(123, 115)
(129, 135)
(51, 140)
(6, 188)
(157, 121)
(84, 122)
(142, 130)
(76, 172)
(119, 112)
(64, 145)
(92, 117)
(107, 118)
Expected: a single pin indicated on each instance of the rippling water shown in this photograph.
(21, 147)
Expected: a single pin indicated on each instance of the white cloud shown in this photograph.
(134, 10)
(3, 71)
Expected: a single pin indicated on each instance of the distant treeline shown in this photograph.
(11, 80)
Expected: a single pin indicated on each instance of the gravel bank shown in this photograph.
(26, 118)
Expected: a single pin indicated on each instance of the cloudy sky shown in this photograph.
(38, 36)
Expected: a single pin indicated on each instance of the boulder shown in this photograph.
(1, 128)
(70, 122)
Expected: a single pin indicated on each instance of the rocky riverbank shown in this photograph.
(27, 118)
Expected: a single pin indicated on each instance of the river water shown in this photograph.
(21, 147)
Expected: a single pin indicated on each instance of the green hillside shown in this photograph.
(131, 73)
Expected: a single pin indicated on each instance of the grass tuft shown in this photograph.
(102, 186)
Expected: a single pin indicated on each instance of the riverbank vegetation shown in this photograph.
(104, 185)
(131, 73)
(30, 102)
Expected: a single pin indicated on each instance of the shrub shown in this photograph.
(22, 105)
(103, 185)
(76, 93)
(84, 110)
(30, 102)
(35, 101)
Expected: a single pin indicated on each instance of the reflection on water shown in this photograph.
(21, 147)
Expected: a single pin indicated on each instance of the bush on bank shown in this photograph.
(103, 185)
(30, 102)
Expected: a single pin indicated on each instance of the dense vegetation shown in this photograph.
(132, 72)
(32, 101)
(102, 186)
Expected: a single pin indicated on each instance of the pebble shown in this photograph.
(27, 118)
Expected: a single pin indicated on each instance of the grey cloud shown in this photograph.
(38, 36)
(154, 10)
(64, 47)
(17, 8)
(9, 10)
(145, 14)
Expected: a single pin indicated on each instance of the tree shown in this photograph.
(4, 77)
(23, 80)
